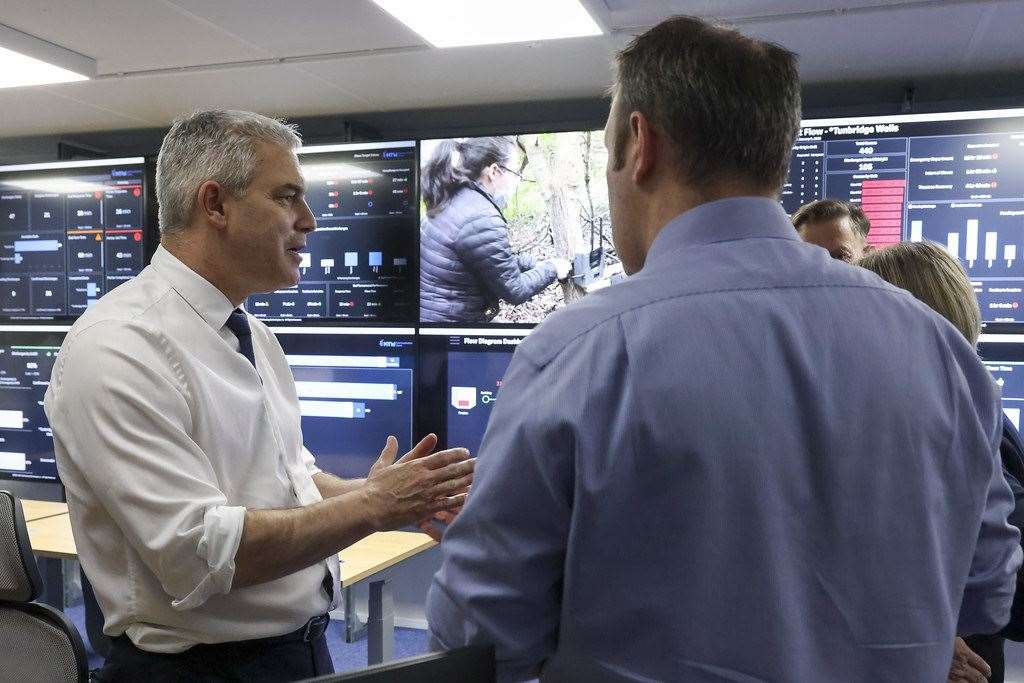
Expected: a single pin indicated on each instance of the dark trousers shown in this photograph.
(241, 661)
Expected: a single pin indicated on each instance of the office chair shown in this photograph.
(472, 664)
(38, 642)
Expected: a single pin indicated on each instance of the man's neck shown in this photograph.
(201, 258)
(668, 202)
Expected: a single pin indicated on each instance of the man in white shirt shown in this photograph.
(208, 532)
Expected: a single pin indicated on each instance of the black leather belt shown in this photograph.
(312, 630)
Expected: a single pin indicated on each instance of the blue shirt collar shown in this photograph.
(724, 220)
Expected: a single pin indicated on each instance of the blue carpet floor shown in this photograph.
(409, 642)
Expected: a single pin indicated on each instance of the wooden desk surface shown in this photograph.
(38, 509)
(51, 537)
(377, 552)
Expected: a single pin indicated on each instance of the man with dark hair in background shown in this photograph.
(721, 468)
(837, 226)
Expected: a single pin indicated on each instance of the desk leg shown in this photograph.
(380, 646)
(52, 570)
(354, 628)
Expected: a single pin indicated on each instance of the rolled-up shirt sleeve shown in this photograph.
(309, 462)
(120, 406)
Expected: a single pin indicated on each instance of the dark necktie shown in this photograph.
(239, 326)
(238, 323)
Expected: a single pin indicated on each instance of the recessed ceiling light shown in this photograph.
(455, 23)
(27, 60)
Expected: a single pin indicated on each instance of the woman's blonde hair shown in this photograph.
(928, 272)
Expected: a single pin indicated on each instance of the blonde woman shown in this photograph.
(934, 277)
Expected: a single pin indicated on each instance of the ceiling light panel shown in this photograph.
(458, 23)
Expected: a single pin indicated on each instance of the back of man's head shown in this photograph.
(729, 104)
(216, 144)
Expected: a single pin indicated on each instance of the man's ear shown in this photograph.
(645, 146)
(210, 203)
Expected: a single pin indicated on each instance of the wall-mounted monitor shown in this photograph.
(462, 371)
(360, 263)
(954, 178)
(69, 232)
(496, 215)
(356, 387)
(1003, 354)
(27, 464)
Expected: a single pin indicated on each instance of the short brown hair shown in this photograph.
(928, 272)
(830, 209)
(729, 103)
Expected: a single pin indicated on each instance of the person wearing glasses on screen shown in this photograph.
(927, 271)
(208, 532)
(466, 262)
(738, 464)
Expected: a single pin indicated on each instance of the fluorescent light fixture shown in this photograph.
(456, 23)
(27, 60)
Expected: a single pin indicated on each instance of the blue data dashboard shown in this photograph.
(27, 356)
(955, 178)
(69, 233)
(1003, 355)
(470, 364)
(355, 387)
(360, 263)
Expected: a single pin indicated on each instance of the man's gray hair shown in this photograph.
(216, 144)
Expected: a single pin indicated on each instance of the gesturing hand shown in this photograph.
(417, 485)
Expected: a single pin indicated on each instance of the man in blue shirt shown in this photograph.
(746, 462)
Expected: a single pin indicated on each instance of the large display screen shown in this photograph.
(69, 233)
(27, 356)
(355, 388)
(1003, 354)
(469, 365)
(360, 263)
(498, 212)
(956, 179)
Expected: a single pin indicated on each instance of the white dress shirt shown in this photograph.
(164, 435)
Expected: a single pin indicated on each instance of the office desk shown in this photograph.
(38, 509)
(370, 559)
(51, 537)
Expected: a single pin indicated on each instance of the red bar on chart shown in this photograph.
(882, 202)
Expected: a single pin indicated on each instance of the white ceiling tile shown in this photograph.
(122, 35)
(550, 70)
(286, 28)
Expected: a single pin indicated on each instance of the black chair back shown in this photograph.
(38, 642)
(472, 664)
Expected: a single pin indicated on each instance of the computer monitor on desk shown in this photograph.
(28, 468)
(355, 388)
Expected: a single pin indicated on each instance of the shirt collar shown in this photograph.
(208, 301)
(724, 220)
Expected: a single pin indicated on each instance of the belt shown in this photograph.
(310, 631)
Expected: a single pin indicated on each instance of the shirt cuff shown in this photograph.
(222, 532)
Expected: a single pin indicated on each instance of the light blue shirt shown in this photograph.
(746, 462)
